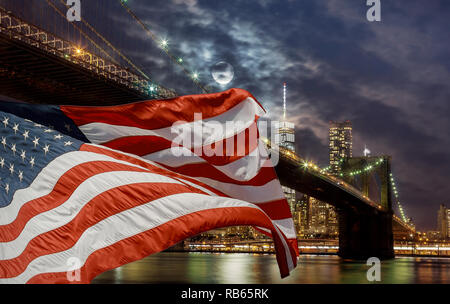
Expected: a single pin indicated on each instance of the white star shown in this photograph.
(7, 188)
(32, 162)
(23, 155)
(20, 175)
(68, 143)
(5, 121)
(25, 134)
(48, 131)
(16, 128)
(59, 136)
(13, 148)
(2, 162)
(46, 149)
(37, 125)
(4, 142)
(11, 168)
(36, 141)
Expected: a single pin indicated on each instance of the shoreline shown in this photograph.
(304, 253)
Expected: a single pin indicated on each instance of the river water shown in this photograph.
(229, 268)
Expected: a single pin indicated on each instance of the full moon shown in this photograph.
(222, 72)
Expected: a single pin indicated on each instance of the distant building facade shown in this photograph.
(284, 136)
(322, 219)
(433, 235)
(301, 218)
(340, 143)
(444, 222)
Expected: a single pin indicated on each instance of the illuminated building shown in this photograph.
(322, 218)
(285, 137)
(284, 134)
(340, 135)
(241, 232)
(444, 221)
(302, 214)
(433, 235)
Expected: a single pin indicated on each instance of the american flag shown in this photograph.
(111, 185)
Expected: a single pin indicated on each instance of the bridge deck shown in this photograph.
(38, 67)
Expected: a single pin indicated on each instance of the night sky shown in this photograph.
(390, 78)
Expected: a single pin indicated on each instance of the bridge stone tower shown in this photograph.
(367, 232)
(371, 175)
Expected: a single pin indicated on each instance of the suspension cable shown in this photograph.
(400, 207)
(110, 45)
(177, 61)
(82, 32)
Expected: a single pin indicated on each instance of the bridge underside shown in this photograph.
(364, 231)
(30, 74)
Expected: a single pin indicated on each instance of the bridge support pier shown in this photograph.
(364, 234)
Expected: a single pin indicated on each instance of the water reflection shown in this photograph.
(239, 268)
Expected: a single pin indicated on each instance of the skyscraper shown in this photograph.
(302, 214)
(444, 221)
(322, 217)
(340, 135)
(285, 137)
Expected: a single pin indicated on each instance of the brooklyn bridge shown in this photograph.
(42, 67)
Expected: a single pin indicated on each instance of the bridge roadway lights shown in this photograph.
(365, 234)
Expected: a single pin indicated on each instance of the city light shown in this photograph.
(365, 169)
(400, 207)
(164, 43)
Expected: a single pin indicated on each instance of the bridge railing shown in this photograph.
(316, 171)
(17, 29)
(403, 223)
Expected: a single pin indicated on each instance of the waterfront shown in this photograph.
(241, 268)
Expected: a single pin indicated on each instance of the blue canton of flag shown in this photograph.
(26, 148)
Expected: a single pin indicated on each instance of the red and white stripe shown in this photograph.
(147, 129)
(107, 208)
(243, 170)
